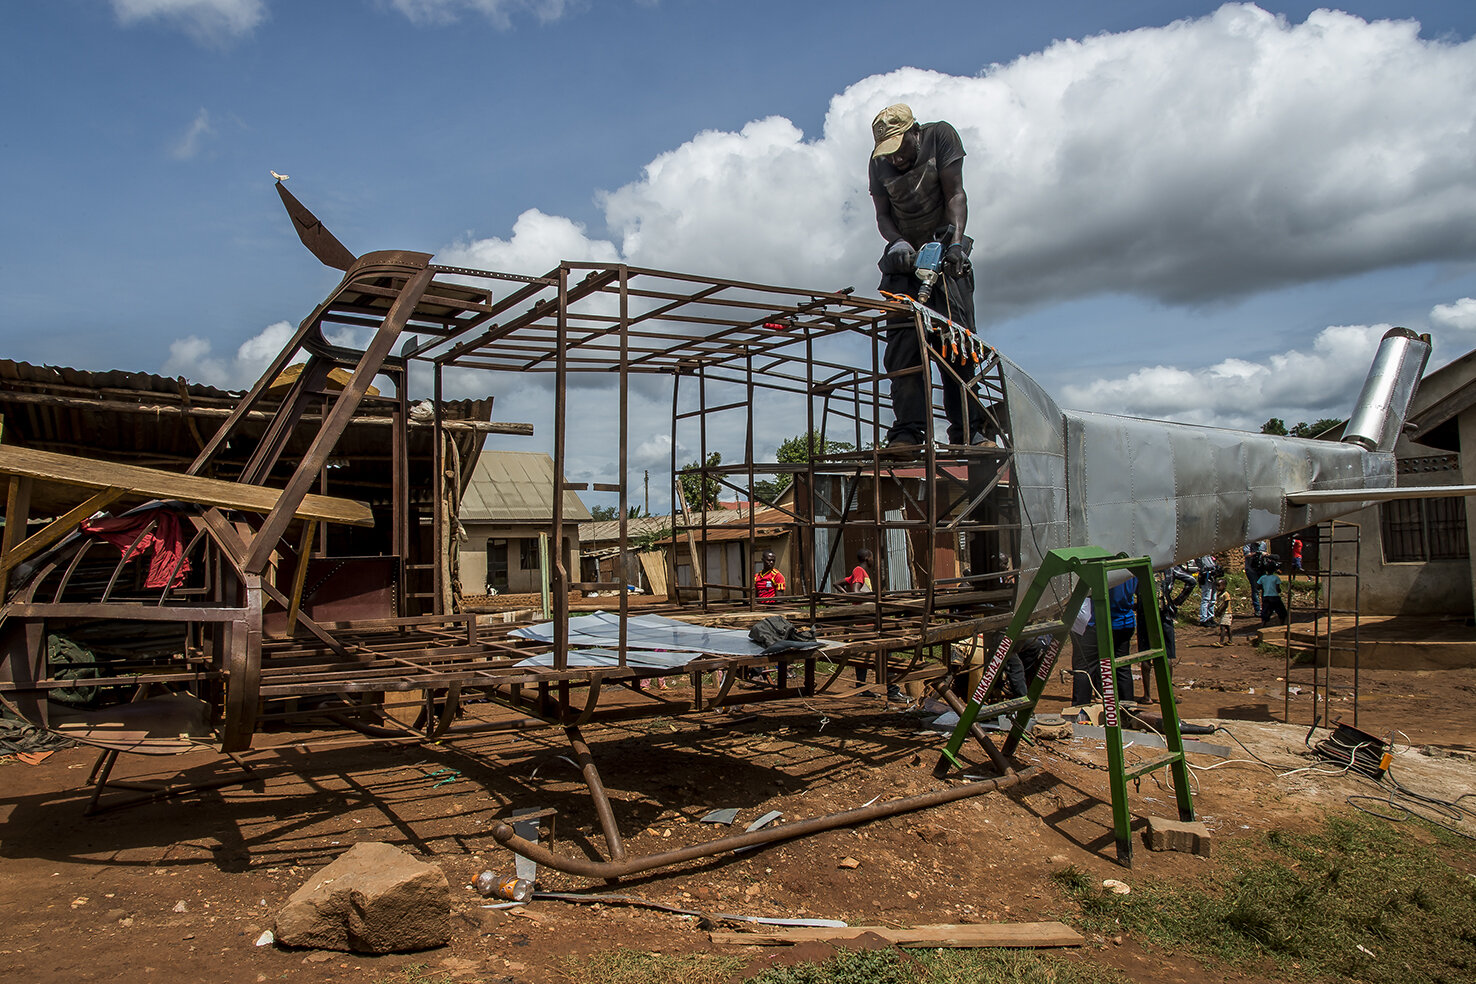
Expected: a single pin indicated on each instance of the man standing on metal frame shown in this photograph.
(916, 181)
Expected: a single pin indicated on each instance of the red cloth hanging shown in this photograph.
(165, 542)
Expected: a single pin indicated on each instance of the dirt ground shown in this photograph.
(179, 890)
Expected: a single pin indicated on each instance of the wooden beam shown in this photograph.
(299, 576)
(17, 515)
(153, 483)
(1032, 934)
(57, 529)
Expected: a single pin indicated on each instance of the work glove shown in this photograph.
(900, 257)
(955, 261)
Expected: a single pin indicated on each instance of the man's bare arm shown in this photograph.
(955, 202)
(884, 223)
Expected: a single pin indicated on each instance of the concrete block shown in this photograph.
(1176, 835)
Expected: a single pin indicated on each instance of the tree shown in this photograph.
(795, 450)
(1316, 427)
(1275, 426)
(605, 514)
(702, 492)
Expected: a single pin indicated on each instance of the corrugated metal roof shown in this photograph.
(767, 522)
(610, 529)
(516, 486)
(142, 419)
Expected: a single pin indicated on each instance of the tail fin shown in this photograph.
(314, 235)
(1379, 413)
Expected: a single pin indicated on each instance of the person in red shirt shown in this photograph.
(768, 583)
(1296, 552)
(860, 579)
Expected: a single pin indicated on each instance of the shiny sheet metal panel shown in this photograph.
(1390, 385)
(1038, 467)
(1173, 491)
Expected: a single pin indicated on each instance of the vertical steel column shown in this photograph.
(930, 478)
(438, 500)
(702, 480)
(876, 367)
(674, 591)
(749, 593)
(806, 543)
(624, 442)
(400, 494)
(561, 421)
(1357, 582)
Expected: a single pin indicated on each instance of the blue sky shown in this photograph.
(1183, 209)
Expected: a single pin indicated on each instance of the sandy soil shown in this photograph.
(179, 890)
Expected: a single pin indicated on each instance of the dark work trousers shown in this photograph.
(1273, 606)
(1023, 663)
(1168, 649)
(1086, 670)
(911, 399)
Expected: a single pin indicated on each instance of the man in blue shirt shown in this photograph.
(1086, 676)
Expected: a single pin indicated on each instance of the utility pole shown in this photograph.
(648, 491)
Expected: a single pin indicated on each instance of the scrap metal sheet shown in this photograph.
(601, 630)
(639, 659)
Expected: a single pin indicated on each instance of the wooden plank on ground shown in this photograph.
(154, 483)
(966, 935)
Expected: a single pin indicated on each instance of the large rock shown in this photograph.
(374, 898)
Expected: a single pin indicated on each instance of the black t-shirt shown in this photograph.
(915, 196)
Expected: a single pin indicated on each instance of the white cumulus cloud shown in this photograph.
(1200, 161)
(195, 359)
(538, 243)
(212, 22)
(1295, 385)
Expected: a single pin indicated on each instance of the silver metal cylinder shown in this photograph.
(1391, 382)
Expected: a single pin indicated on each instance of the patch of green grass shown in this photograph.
(634, 967)
(944, 966)
(1313, 900)
(888, 966)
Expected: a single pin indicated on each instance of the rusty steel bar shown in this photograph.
(265, 542)
(556, 572)
(622, 640)
(504, 835)
(597, 792)
(980, 735)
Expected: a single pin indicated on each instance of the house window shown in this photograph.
(1416, 530)
(528, 555)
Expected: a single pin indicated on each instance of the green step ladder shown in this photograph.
(1093, 568)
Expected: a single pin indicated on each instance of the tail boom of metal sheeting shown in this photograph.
(1172, 491)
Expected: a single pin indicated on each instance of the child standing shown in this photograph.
(1271, 604)
(1223, 617)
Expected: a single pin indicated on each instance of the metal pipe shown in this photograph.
(1390, 385)
(980, 735)
(504, 835)
(597, 793)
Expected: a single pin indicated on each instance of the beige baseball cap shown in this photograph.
(890, 125)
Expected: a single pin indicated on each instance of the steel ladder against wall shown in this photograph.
(1093, 568)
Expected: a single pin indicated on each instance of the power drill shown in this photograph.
(928, 268)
